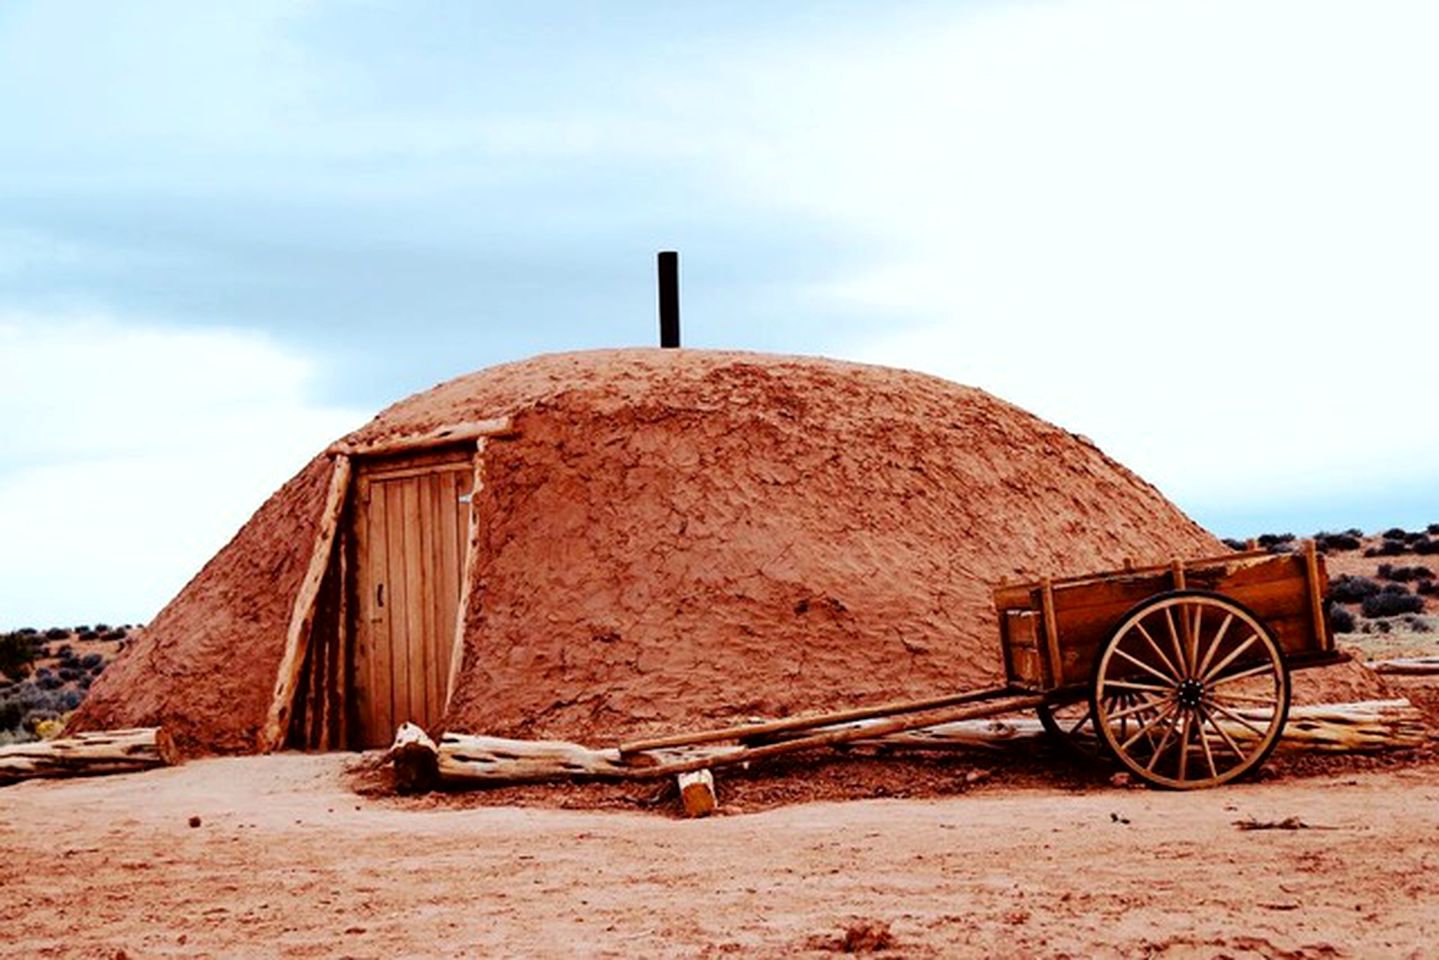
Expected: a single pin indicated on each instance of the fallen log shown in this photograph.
(1410, 666)
(416, 759)
(465, 757)
(697, 793)
(89, 754)
(1362, 727)
(1368, 726)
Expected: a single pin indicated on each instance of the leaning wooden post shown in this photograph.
(467, 574)
(302, 614)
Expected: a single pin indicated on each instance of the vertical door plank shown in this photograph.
(434, 565)
(447, 520)
(433, 642)
(363, 684)
(415, 614)
(395, 657)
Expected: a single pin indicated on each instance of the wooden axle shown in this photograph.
(756, 730)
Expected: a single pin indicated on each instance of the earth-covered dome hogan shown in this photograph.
(658, 538)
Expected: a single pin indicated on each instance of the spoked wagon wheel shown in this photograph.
(1208, 688)
(1071, 724)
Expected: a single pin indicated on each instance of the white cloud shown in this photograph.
(131, 454)
(1201, 233)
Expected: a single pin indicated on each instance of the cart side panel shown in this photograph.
(1023, 658)
(1275, 588)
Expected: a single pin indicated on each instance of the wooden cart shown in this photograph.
(1181, 671)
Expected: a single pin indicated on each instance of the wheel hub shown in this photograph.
(1189, 693)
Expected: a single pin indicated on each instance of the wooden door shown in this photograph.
(411, 533)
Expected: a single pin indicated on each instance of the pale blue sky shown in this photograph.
(1199, 233)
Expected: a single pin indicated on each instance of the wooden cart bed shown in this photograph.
(1051, 630)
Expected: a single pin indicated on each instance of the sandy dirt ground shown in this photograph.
(287, 860)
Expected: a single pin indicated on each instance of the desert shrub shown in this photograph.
(1267, 540)
(27, 631)
(1395, 533)
(27, 704)
(85, 681)
(91, 660)
(80, 629)
(1336, 542)
(68, 674)
(1427, 587)
(1425, 546)
(17, 655)
(100, 627)
(11, 713)
(1432, 529)
(119, 633)
(1391, 604)
(1350, 589)
(56, 633)
(1405, 574)
(52, 682)
(1233, 544)
(70, 699)
(1341, 620)
(88, 635)
(1389, 548)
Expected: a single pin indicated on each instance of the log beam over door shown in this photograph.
(406, 443)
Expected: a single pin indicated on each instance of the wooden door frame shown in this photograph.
(323, 556)
(405, 464)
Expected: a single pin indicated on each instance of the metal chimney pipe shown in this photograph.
(669, 280)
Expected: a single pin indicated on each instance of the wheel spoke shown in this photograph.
(1142, 665)
(1174, 635)
(1243, 698)
(1243, 674)
(1204, 742)
(1224, 734)
(1131, 711)
(1195, 626)
(1175, 673)
(1158, 718)
(1214, 645)
(1184, 728)
(1234, 654)
(1164, 742)
(1129, 685)
(1084, 718)
(1240, 720)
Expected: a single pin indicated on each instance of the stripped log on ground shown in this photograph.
(697, 793)
(1411, 666)
(1362, 727)
(89, 754)
(416, 759)
(498, 760)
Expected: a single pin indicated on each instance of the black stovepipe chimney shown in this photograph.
(669, 278)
